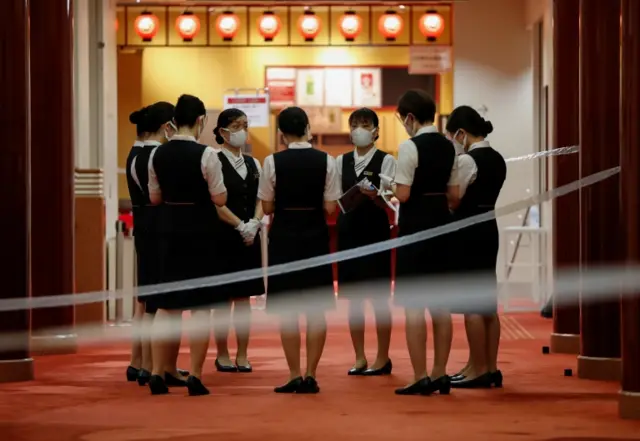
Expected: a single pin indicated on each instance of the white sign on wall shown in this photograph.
(255, 106)
(430, 60)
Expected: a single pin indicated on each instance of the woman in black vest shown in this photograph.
(425, 170)
(239, 238)
(365, 224)
(137, 351)
(187, 178)
(481, 175)
(299, 186)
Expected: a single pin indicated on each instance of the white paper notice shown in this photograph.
(256, 107)
(338, 87)
(367, 87)
(310, 87)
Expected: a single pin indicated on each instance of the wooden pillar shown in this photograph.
(600, 238)
(52, 240)
(629, 403)
(15, 363)
(565, 338)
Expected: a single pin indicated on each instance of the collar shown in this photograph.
(231, 156)
(427, 129)
(183, 138)
(479, 144)
(152, 143)
(138, 144)
(367, 155)
(300, 145)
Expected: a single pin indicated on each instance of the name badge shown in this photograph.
(367, 173)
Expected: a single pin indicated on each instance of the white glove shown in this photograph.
(366, 184)
(242, 229)
(251, 230)
(386, 184)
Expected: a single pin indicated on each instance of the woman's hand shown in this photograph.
(251, 231)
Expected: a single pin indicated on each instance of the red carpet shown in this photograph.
(84, 397)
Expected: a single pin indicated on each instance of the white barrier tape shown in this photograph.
(100, 296)
(597, 285)
(545, 153)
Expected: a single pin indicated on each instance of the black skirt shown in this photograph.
(236, 256)
(421, 261)
(370, 275)
(297, 235)
(477, 248)
(187, 256)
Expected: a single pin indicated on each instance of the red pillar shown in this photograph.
(629, 403)
(565, 338)
(52, 183)
(600, 237)
(15, 363)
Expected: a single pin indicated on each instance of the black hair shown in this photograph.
(187, 111)
(418, 103)
(225, 119)
(293, 121)
(365, 116)
(157, 115)
(468, 119)
(138, 118)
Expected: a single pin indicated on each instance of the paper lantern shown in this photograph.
(390, 25)
(269, 25)
(146, 26)
(227, 25)
(188, 26)
(350, 25)
(432, 25)
(309, 25)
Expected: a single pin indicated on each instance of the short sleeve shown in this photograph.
(212, 172)
(388, 167)
(407, 163)
(339, 172)
(332, 183)
(153, 184)
(267, 185)
(467, 171)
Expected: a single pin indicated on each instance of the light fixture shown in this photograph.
(350, 25)
(390, 25)
(227, 25)
(188, 26)
(431, 25)
(146, 26)
(269, 25)
(309, 25)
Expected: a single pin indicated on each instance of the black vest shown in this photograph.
(135, 194)
(300, 178)
(427, 205)
(241, 193)
(482, 194)
(185, 192)
(368, 214)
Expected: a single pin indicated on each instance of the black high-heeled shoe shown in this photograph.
(308, 386)
(244, 368)
(289, 388)
(417, 388)
(357, 370)
(195, 387)
(223, 368)
(384, 370)
(481, 382)
(442, 385)
(143, 377)
(457, 377)
(183, 372)
(157, 385)
(172, 381)
(496, 378)
(132, 374)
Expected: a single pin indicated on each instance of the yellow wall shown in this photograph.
(166, 73)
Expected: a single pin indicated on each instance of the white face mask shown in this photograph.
(407, 128)
(361, 137)
(237, 139)
(460, 147)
